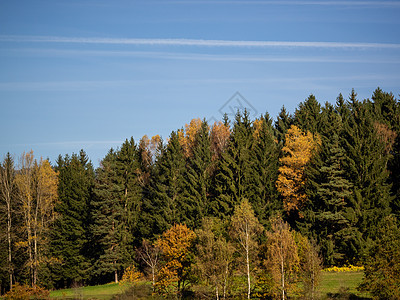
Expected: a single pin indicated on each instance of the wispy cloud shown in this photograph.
(96, 85)
(197, 56)
(298, 3)
(71, 143)
(196, 42)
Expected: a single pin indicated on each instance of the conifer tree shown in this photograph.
(282, 124)
(386, 110)
(108, 228)
(70, 236)
(264, 159)
(307, 115)
(198, 176)
(336, 216)
(151, 218)
(128, 176)
(170, 204)
(366, 167)
(330, 214)
(233, 173)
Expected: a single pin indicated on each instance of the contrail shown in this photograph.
(196, 42)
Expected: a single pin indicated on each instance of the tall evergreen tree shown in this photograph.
(169, 202)
(70, 237)
(366, 167)
(108, 228)
(198, 176)
(151, 217)
(128, 176)
(233, 173)
(330, 214)
(386, 111)
(264, 159)
(335, 214)
(307, 115)
(282, 124)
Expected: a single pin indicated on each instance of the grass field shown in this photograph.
(334, 285)
(338, 285)
(103, 292)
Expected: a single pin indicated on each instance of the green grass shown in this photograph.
(334, 284)
(103, 292)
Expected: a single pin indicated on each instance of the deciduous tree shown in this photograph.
(382, 266)
(214, 255)
(245, 229)
(298, 149)
(176, 246)
(150, 254)
(282, 257)
(8, 199)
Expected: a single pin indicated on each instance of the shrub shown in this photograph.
(348, 268)
(25, 292)
(131, 275)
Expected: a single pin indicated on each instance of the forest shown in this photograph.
(236, 209)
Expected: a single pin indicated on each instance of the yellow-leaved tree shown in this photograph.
(37, 184)
(282, 258)
(187, 137)
(298, 150)
(245, 229)
(176, 245)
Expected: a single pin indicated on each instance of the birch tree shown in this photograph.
(214, 255)
(37, 191)
(24, 184)
(150, 254)
(245, 228)
(7, 196)
(282, 256)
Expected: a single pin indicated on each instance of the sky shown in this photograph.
(88, 74)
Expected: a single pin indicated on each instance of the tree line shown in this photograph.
(260, 202)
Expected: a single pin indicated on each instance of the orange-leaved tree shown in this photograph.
(298, 150)
(176, 245)
(187, 137)
(220, 134)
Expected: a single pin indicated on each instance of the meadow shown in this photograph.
(334, 285)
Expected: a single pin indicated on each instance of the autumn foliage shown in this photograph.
(176, 246)
(298, 150)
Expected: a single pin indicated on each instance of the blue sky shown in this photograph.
(88, 74)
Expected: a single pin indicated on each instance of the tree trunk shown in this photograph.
(35, 241)
(248, 265)
(153, 277)
(283, 279)
(226, 280)
(35, 260)
(116, 276)
(10, 270)
(30, 249)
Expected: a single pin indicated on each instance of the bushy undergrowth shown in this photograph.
(25, 292)
(348, 268)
